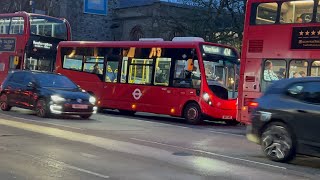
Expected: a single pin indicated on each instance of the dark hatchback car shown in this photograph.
(46, 93)
(286, 119)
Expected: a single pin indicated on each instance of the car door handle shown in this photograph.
(302, 111)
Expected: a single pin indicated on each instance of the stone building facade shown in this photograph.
(125, 19)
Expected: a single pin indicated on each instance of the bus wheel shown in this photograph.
(127, 112)
(4, 103)
(232, 122)
(192, 114)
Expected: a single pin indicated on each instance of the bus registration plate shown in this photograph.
(226, 117)
(79, 106)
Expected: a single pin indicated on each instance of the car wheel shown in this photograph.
(127, 112)
(192, 114)
(232, 122)
(87, 116)
(278, 143)
(42, 109)
(4, 103)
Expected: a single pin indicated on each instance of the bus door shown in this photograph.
(110, 95)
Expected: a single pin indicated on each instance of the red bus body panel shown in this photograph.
(154, 99)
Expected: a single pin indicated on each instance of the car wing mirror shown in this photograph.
(31, 85)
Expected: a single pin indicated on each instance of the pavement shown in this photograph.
(144, 146)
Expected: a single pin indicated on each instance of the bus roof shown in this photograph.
(180, 44)
(26, 14)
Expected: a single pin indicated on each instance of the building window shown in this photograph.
(136, 33)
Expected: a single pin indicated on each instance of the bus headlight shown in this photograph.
(57, 98)
(206, 97)
(92, 100)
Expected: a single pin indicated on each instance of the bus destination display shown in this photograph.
(7, 44)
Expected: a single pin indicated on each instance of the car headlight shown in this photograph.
(92, 100)
(56, 98)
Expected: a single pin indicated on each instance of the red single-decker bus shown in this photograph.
(186, 77)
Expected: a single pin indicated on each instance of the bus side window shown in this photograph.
(162, 71)
(112, 71)
(187, 74)
(124, 69)
(315, 68)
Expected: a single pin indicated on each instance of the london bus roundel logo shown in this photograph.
(137, 94)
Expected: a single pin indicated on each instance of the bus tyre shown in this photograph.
(4, 103)
(86, 116)
(278, 143)
(42, 109)
(127, 112)
(192, 113)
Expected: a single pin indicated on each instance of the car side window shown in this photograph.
(308, 92)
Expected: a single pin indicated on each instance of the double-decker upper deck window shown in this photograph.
(17, 25)
(266, 13)
(4, 25)
(49, 27)
(296, 11)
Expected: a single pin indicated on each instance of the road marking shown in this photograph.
(210, 153)
(25, 119)
(219, 132)
(121, 146)
(53, 163)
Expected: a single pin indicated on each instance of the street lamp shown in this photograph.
(32, 5)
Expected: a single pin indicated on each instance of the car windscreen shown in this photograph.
(54, 81)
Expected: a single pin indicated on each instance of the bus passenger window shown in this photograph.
(296, 11)
(315, 68)
(112, 71)
(72, 62)
(15, 62)
(162, 73)
(124, 68)
(187, 74)
(2, 66)
(298, 68)
(274, 70)
(266, 13)
(140, 71)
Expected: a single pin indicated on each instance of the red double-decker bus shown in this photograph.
(281, 40)
(29, 41)
(186, 77)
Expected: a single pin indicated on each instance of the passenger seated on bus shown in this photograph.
(268, 73)
(109, 74)
(96, 69)
(296, 75)
(160, 77)
(302, 74)
(282, 73)
(299, 20)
